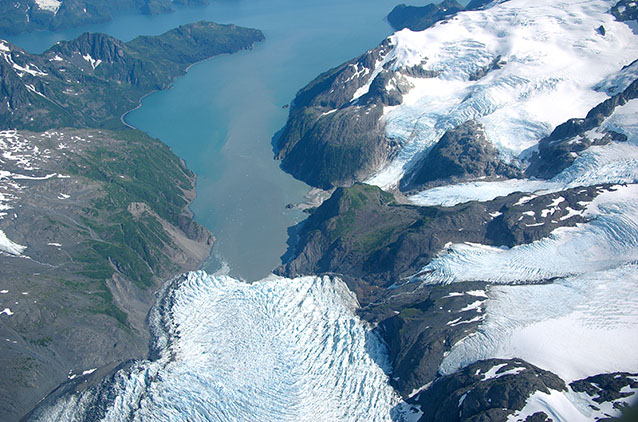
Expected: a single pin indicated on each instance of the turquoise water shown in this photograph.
(221, 116)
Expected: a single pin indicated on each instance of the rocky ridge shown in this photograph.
(94, 79)
(54, 15)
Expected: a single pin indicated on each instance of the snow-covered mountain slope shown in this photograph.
(576, 327)
(579, 323)
(550, 58)
(277, 350)
(614, 162)
(551, 87)
(517, 68)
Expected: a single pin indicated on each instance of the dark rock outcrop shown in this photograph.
(420, 18)
(495, 389)
(420, 334)
(330, 140)
(558, 151)
(476, 394)
(625, 10)
(462, 153)
(605, 388)
(362, 233)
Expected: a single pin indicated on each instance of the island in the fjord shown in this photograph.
(32, 15)
(93, 215)
(485, 200)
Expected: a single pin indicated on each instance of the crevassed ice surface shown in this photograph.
(576, 327)
(616, 162)
(277, 350)
(554, 60)
(608, 240)
(580, 324)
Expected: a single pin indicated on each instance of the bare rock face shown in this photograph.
(331, 140)
(420, 333)
(499, 389)
(488, 390)
(364, 234)
(462, 153)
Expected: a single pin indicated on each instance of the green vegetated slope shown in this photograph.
(92, 80)
(101, 209)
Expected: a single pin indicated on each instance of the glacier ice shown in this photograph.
(609, 239)
(276, 350)
(575, 327)
(616, 162)
(553, 64)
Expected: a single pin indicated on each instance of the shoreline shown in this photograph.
(139, 101)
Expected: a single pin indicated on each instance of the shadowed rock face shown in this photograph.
(419, 334)
(494, 389)
(330, 140)
(462, 153)
(342, 147)
(606, 388)
(625, 10)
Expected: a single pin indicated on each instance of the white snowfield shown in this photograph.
(554, 66)
(276, 350)
(616, 162)
(49, 5)
(575, 327)
(28, 68)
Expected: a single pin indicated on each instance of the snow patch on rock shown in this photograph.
(49, 5)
